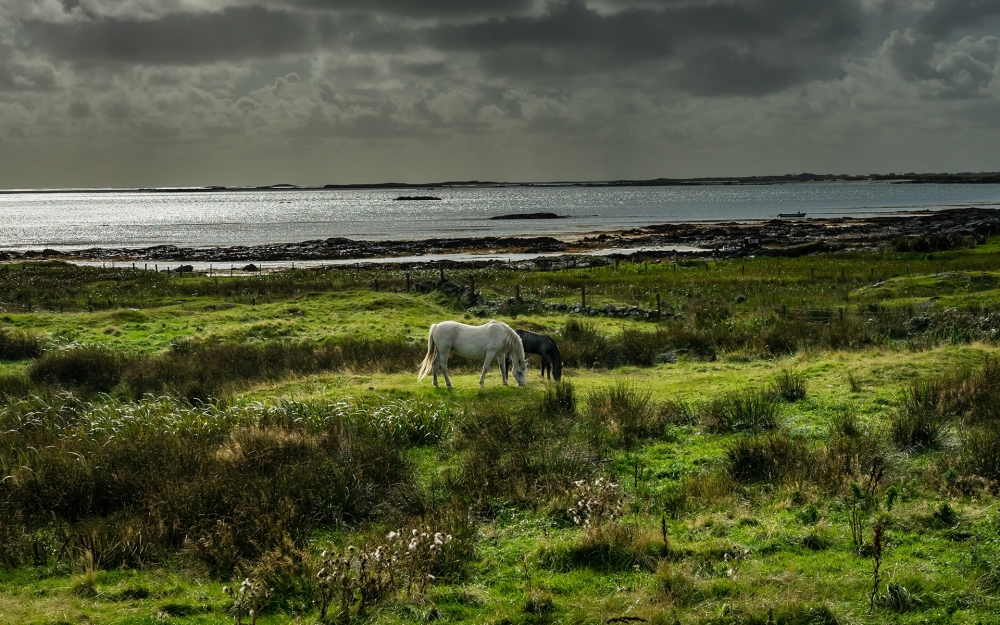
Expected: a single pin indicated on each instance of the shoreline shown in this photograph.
(723, 239)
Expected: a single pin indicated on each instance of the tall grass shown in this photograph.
(515, 454)
(132, 482)
(620, 414)
(199, 371)
(737, 411)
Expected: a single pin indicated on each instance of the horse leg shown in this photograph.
(435, 365)
(490, 355)
(444, 369)
(502, 359)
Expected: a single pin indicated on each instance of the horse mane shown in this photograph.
(512, 342)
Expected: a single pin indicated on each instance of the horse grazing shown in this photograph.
(493, 340)
(544, 346)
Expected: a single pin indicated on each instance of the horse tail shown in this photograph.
(556, 359)
(428, 364)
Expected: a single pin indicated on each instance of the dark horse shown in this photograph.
(545, 347)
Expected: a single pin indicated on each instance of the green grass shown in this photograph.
(735, 552)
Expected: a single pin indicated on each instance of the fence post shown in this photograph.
(842, 277)
(407, 281)
(517, 293)
(812, 274)
(841, 315)
(472, 286)
(583, 297)
(658, 310)
(873, 273)
(376, 285)
(441, 270)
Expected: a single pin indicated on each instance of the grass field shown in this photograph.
(803, 441)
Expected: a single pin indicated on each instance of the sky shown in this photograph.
(133, 93)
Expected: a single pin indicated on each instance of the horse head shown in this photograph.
(520, 369)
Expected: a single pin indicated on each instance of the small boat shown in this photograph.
(791, 214)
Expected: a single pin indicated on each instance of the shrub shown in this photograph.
(13, 386)
(851, 450)
(980, 453)
(228, 485)
(917, 427)
(621, 413)
(766, 457)
(789, 386)
(18, 345)
(198, 371)
(749, 409)
(583, 345)
(91, 368)
(559, 400)
(515, 455)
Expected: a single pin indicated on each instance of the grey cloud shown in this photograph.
(741, 47)
(961, 69)
(422, 8)
(20, 74)
(948, 15)
(178, 38)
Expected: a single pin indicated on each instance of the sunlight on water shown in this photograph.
(198, 219)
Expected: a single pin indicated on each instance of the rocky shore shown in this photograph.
(779, 237)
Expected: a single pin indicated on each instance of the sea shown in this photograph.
(79, 219)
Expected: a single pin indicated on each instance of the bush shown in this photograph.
(13, 386)
(749, 409)
(851, 451)
(583, 345)
(620, 414)
(93, 369)
(136, 482)
(767, 457)
(198, 371)
(515, 455)
(789, 386)
(18, 345)
(980, 453)
(559, 401)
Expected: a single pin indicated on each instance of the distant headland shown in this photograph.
(805, 178)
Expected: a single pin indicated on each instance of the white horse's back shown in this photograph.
(485, 341)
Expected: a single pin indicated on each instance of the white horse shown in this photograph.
(494, 340)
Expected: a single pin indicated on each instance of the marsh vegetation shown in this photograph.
(795, 441)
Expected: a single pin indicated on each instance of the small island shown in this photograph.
(530, 216)
(417, 197)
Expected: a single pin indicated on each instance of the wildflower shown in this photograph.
(392, 535)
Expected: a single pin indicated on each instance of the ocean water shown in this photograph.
(73, 220)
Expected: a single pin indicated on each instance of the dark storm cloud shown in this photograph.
(421, 8)
(948, 15)
(748, 47)
(176, 38)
